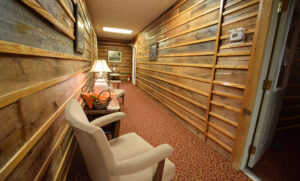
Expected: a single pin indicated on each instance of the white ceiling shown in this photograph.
(126, 14)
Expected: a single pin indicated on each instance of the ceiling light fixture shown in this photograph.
(117, 30)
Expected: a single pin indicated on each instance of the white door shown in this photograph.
(272, 98)
(133, 64)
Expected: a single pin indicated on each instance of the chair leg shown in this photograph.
(116, 130)
(159, 171)
(123, 99)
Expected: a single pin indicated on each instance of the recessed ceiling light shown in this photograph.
(117, 30)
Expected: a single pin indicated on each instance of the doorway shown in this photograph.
(273, 153)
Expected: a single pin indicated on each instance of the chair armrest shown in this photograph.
(107, 119)
(142, 161)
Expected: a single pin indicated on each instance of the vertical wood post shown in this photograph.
(213, 67)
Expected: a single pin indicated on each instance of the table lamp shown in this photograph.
(100, 68)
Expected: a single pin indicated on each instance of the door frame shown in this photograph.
(265, 71)
(260, 42)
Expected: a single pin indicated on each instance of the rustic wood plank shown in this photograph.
(219, 142)
(232, 67)
(70, 162)
(225, 106)
(176, 112)
(189, 43)
(229, 54)
(223, 119)
(22, 152)
(41, 172)
(175, 103)
(35, 6)
(231, 3)
(14, 48)
(189, 31)
(221, 130)
(236, 45)
(18, 94)
(229, 84)
(67, 10)
(174, 93)
(60, 167)
(227, 95)
(186, 54)
(240, 18)
(179, 85)
(240, 7)
(178, 75)
(177, 64)
(181, 13)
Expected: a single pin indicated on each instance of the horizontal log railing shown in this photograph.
(175, 111)
(221, 130)
(177, 64)
(249, 31)
(189, 43)
(177, 15)
(175, 103)
(241, 18)
(177, 84)
(177, 75)
(175, 94)
(225, 106)
(228, 95)
(223, 119)
(187, 21)
(189, 31)
(229, 84)
(219, 142)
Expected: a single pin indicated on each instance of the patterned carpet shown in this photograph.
(194, 159)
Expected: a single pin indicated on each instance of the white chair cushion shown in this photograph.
(119, 92)
(130, 145)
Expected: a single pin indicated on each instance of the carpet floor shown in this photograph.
(194, 159)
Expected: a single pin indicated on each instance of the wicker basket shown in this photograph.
(101, 103)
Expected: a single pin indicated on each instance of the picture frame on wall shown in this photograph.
(153, 52)
(114, 56)
(79, 30)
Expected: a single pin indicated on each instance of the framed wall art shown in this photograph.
(114, 56)
(79, 30)
(153, 52)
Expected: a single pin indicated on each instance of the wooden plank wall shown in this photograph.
(198, 75)
(40, 74)
(125, 68)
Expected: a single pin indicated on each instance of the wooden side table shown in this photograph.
(113, 106)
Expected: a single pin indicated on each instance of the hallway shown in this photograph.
(194, 159)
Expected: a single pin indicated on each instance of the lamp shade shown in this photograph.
(100, 66)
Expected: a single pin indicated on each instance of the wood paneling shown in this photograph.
(198, 74)
(125, 67)
(40, 73)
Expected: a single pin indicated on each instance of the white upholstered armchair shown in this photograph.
(128, 157)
